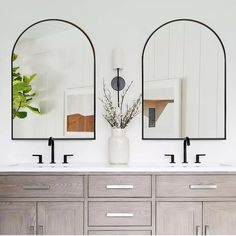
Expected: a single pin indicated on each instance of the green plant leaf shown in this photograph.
(19, 86)
(34, 110)
(22, 95)
(27, 79)
(14, 57)
(21, 114)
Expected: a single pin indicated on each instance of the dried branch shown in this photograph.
(118, 119)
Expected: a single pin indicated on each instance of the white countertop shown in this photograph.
(98, 167)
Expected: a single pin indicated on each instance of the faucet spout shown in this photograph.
(51, 143)
(185, 144)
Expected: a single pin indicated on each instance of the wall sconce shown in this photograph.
(117, 83)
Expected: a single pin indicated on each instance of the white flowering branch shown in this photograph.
(114, 115)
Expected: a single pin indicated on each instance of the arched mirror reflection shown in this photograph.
(184, 82)
(53, 82)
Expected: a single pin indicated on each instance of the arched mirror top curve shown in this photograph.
(184, 82)
(53, 82)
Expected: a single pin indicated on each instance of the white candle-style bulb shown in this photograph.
(117, 59)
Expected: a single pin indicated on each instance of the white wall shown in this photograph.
(113, 23)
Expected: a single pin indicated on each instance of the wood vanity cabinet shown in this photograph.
(41, 205)
(17, 218)
(195, 218)
(178, 218)
(117, 203)
(52, 218)
(58, 218)
(195, 205)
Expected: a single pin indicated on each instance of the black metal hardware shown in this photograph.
(198, 158)
(40, 158)
(185, 144)
(65, 158)
(118, 83)
(172, 158)
(51, 143)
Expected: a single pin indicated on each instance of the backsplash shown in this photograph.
(109, 25)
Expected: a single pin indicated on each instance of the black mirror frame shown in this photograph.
(225, 102)
(94, 73)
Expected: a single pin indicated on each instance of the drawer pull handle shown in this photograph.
(120, 186)
(36, 187)
(120, 214)
(207, 230)
(203, 186)
(40, 230)
(198, 230)
(32, 230)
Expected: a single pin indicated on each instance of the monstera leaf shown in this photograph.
(22, 93)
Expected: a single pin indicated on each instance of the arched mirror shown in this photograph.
(53, 82)
(184, 82)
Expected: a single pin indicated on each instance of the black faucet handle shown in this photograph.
(172, 158)
(50, 141)
(40, 158)
(65, 161)
(198, 158)
(187, 139)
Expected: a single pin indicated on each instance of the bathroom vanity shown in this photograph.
(118, 201)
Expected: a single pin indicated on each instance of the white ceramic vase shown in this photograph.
(118, 147)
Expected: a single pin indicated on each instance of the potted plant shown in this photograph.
(119, 116)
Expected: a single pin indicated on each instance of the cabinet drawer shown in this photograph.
(120, 186)
(119, 213)
(119, 232)
(196, 186)
(41, 186)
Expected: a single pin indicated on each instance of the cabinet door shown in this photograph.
(219, 217)
(17, 218)
(60, 218)
(178, 218)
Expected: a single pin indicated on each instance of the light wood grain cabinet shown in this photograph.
(219, 218)
(17, 218)
(196, 218)
(178, 218)
(117, 204)
(119, 232)
(60, 218)
(206, 212)
(120, 214)
(50, 218)
(120, 186)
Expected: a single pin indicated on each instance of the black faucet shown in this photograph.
(186, 143)
(51, 143)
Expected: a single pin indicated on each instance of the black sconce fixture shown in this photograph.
(117, 83)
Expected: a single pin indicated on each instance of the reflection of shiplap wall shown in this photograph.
(61, 60)
(190, 51)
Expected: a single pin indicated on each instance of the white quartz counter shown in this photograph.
(98, 167)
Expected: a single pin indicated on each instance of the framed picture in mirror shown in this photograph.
(79, 115)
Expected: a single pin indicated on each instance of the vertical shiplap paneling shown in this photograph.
(149, 60)
(162, 53)
(176, 50)
(208, 84)
(190, 80)
(220, 92)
